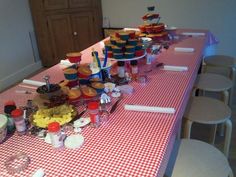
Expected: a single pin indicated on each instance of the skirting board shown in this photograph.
(19, 75)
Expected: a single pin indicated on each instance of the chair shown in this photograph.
(214, 83)
(211, 111)
(222, 61)
(198, 159)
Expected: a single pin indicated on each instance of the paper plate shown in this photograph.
(74, 141)
(81, 122)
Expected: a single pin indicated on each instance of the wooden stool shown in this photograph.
(198, 159)
(213, 83)
(223, 61)
(207, 110)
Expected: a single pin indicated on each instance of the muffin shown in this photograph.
(98, 86)
(118, 55)
(74, 94)
(132, 42)
(139, 46)
(130, 48)
(108, 47)
(74, 57)
(88, 92)
(120, 43)
(84, 72)
(129, 55)
(124, 36)
(70, 73)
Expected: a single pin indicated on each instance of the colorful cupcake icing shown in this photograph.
(139, 46)
(74, 94)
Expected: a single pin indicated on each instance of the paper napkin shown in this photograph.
(149, 109)
(184, 49)
(175, 68)
(32, 82)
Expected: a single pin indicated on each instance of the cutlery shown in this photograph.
(113, 108)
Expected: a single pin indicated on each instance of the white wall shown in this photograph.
(216, 15)
(16, 42)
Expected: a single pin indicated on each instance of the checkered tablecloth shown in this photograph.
(130, 143)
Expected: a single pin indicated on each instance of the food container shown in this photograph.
(3, 127)
(55, 90)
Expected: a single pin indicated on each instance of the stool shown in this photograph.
(211, 111)
(223, 61)
(198, 159)
(213, 83)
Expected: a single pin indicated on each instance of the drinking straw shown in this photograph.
(105, 59)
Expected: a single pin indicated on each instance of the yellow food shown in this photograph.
(61, 114)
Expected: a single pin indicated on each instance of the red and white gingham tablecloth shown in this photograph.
(130, 143)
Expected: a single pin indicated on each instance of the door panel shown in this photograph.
(82, 26)
(55, 4)
(61, 35)
(80, 3)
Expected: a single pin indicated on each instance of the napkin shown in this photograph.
(149, 109)
(184, 49)
(193, 34)
(175, 68)
(65, 62)
(32, 82)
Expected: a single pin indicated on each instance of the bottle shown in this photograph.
(134, 69)
(93, 109)
(121, 69)
(19, 121)
(9, 106)
(55, 135)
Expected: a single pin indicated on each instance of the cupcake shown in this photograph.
(139, 53)
(74, 94)
(98, 86)
(110, 54)
(108, 46)
(120, 43)
(116, 49)
(139, 46)
(132, 42)
(129, 55)
(130, 48)
(70, 73)
(84, 72)
(124, 36)
(149, 29)
(95, 79)
(142, 28)
(88, 92)
(131, 34)
(74, 57)
(118, 55)
(158, 28)
(113, 41)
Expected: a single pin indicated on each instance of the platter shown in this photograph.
(129, 59)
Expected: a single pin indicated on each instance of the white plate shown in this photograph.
(81, 122)
(130, 59)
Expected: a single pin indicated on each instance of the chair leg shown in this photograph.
(225, 99)
(187, 128)
(194, 91)
(228, 133)
(213, 134)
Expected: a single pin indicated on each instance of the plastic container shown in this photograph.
(3, 127)
(19, 121)
(55, 135)
(134, 69)
(121, 69)
(93, 109)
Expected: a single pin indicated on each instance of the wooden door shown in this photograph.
(83, 30)
(55, 4)
(80, 3)
(60, 35)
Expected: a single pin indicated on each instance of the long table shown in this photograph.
(130, 143)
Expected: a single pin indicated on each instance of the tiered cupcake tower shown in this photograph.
(152, 27)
